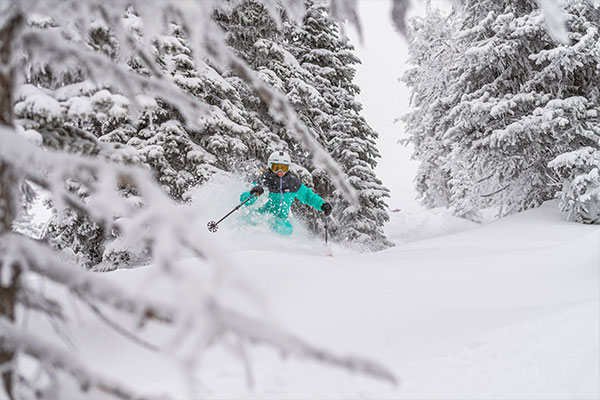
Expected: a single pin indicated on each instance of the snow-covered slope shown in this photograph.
(509, 309)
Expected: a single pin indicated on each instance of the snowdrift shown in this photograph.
(509, 309)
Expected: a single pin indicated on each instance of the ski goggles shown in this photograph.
(282, 167)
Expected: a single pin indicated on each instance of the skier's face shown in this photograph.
(280, 169)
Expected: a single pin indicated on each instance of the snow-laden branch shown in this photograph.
(40, 260)
(51, 47)
(399, 10)
(14, 339)
(118, 328)
(258, 332)
(113, 17)
(160, 222)
(31, 299)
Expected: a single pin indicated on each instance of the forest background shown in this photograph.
(116, 110)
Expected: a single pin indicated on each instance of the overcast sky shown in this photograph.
(383, 53)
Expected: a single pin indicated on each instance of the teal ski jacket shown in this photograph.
(281, 193)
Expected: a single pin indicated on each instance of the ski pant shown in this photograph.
(281, 226)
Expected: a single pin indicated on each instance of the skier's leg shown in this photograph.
(251, 218)
(282, 227)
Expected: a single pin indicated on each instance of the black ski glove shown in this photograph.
(326, 208)
(256, 191)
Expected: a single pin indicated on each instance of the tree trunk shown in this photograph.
(9, 273)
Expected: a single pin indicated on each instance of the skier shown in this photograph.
(283, 187)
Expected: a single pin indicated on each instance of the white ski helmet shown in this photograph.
(279, 157)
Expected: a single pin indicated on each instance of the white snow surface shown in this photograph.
(505, 310)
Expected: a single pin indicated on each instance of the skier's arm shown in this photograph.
(254, 193)
(307, 196)
(244, 196)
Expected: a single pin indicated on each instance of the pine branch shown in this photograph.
(32, 300)
(118, 328)
(257, 332)
(115, 22)
(33, 161)
(45, 262)
(72, 201)
(100, 67)
(14, 339)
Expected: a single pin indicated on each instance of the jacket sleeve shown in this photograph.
(307, 196)
(257, 181)
(245, 196)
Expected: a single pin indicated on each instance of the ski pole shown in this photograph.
(326, 223)
(213, 226)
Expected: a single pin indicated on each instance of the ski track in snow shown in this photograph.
(506, 310)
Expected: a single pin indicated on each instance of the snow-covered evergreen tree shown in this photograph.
(510, 99)
(431, 48)
(320, 49)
